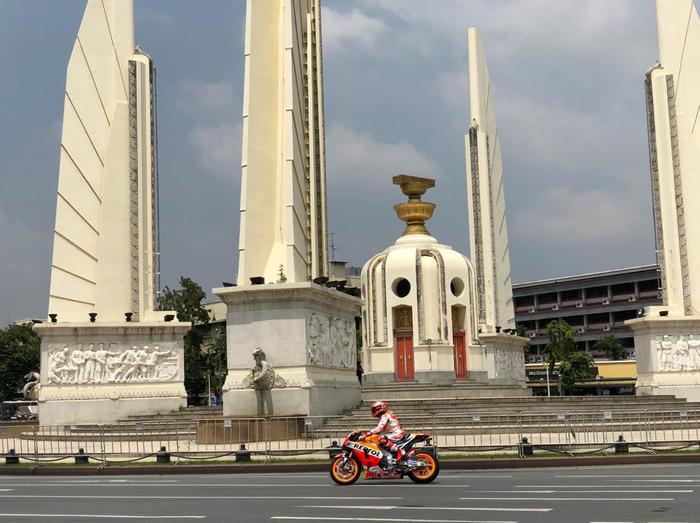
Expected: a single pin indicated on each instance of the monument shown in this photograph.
(666, 337)
(488, 233)
(106, 354)
(306, 330)
(431, 316)
(420, 320)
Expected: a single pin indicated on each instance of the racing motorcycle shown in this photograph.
(357, 454)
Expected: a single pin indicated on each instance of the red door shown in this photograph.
(460, 355)
(403, 343)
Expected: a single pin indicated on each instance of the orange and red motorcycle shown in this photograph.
(357, 454)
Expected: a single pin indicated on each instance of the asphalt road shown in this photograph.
(634, 494)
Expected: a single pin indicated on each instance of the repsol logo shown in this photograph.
(367, 450)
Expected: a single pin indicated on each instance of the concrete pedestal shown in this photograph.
(101, 373)
(307, 333)
(504, 359)
(668, 354)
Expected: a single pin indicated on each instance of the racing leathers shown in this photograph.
(390, 424)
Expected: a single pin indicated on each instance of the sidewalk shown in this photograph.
(281, 468)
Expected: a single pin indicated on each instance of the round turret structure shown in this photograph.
(418, 318)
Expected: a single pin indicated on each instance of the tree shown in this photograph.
(187, 303)
(19, 355)
(612, 347)
(573, 365)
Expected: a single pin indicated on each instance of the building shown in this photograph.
(595, 304)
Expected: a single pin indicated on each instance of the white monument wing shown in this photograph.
(487, 217)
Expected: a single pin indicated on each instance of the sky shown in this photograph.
(568, 88)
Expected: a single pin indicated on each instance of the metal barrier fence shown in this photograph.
(570, 432)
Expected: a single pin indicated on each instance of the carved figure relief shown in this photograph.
(73, 366)
(678, 354)
(331, 342)
(262, 376)
(509, 364)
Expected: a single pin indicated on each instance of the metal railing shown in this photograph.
(571, 432)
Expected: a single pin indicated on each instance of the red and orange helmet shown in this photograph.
(378, 408)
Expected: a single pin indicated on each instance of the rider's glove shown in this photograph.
(366, 435)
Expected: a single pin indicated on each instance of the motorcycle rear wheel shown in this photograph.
(429, 472)
(345, 475)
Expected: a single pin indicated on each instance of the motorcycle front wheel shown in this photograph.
(345, 472)
(429, 472)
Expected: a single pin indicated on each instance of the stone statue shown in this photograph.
(262, 375)
(31, 390)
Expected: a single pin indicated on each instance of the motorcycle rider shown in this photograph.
(387, 423)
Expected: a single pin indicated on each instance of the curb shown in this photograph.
(281, 468)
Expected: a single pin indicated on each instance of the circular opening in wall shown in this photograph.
(401, 287)
(457, 287)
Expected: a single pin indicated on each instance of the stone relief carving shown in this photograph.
(31, 389)
(509, 364)
(100, 365)
(331, 342)
(262, 376)
(678, 354)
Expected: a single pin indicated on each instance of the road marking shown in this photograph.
(444, 476)
(6, 489)
(62, 496)
(97, 516)
(661, 480)
(220, 485)
(592, 486)
(575, 491)
(482, 509)
(573, 499)
(632, 476)
(325, 518)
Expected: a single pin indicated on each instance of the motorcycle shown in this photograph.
(358, 454)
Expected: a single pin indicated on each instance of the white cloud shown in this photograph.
(352, 29)
(218, 148)
(591, 216)
(359, 157)
(200, 95)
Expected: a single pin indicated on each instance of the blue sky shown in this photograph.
(567, 81)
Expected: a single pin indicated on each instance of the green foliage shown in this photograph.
(19, 355)
(575, 368)
(612, 347)
(281, 277)
(187, 303)
(573, 365)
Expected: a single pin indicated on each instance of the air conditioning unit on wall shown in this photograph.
(540, 358)
(532, 334)
(579, 304)
(581, 330)
(532, 359)
(606, 327)
(632, 352)
(555, 307)
(631, 297)
(606, 301)
(531, 310)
